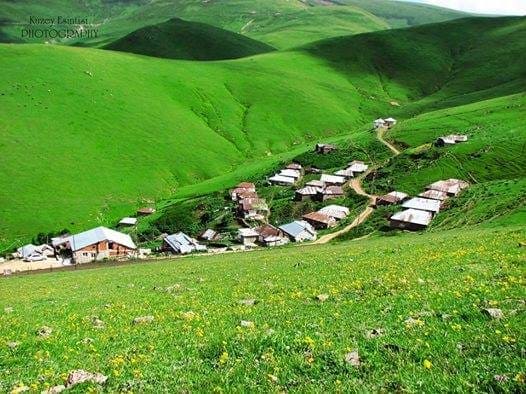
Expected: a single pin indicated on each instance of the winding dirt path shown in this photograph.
(356, 185)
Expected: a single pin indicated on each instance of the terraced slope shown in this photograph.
(142, 128)
(280, 23)
(178, 39)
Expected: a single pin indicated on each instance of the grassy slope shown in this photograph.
(138, 127)
(178, 39)
(196, 344)
(280, 23)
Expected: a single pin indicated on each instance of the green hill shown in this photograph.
(101, 132)
(178, 39)
(412, 306)
(279, 23)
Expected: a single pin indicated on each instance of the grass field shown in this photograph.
(294, 342)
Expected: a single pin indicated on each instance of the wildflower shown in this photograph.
(520, 378)
(427, 364)
(223, 358)
(309, 342)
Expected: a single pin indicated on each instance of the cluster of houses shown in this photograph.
(288, 176)
(330, 186)
(384, 123)
(420, 210)
(249, 205)
(451, 139)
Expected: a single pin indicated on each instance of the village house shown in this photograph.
(324, 149)
(434, 195)
(299, 231)
(280, 180)
(315, 183)
(247, 236)
(346, 173)
(181, 243)
(452, 187)
(243, 190)
(390, 122)
(31, 252)
(306, 193)
(378, 123)
(128, 222)
(271, 236)
(294, 174)
(253, 208)
(209, 235)
(423, 204)
(295, 167)
(330, 192)
(337, 212)
(357, 166)
(319, 220)
(451, 139)
(332, 180)
(411, 219)
(145, 211)
(391, 198)
(97, 244)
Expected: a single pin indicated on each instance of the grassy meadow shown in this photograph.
(423, 294)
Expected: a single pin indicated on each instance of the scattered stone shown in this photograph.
(270, 331)
(501, 378)
(394, 103)
(494, 313)
(97, 323)
(247, 324)
(87, 341)
(353, 358)
(374, 333)
(322, 297)
(8, 309)
(421, 281)
(143, 319)
(248, 302)
(44, 331)
(80, 376)
(272, 378)
(55, 389)
(88, 73)
(19, 389)
(410, 322)
(12, 344)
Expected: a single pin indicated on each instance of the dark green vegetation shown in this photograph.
(280, 23)
(297, 343)
(178, 39)
(137, 128)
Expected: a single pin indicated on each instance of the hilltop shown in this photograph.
(279, 23)
(178, 39)
(137, 128)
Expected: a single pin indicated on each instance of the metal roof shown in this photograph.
(290, 173)
(315, 183)
(423, 204)
(413, 216)
(180, 242)
(434, 195)
(332, 179)
(309, 191)
(281, 179)
(247, 232)
(357, 166)
(99, 234)
(335, 211)
(319, 217)
(297, 227)
(128, 221)
(333, 191)
(348, 173)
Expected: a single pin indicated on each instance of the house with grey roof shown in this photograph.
(181, 243)
(299, 231)
(423, 204)
(411, 219)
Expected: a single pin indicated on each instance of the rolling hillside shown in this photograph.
(136, 128)
(279, 23)
(178, 39)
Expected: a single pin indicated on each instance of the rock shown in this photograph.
(55, 389)
(494, 313)
(322, 297)
(8, 309)
(421, 281)
(247, 324)
(248, 302)
(143, 319)
(353, 358)
(501, 378)
(12, 344)
(80, 376)
(19, 389)
(374, 333)
(44, 331)
(97, 323)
